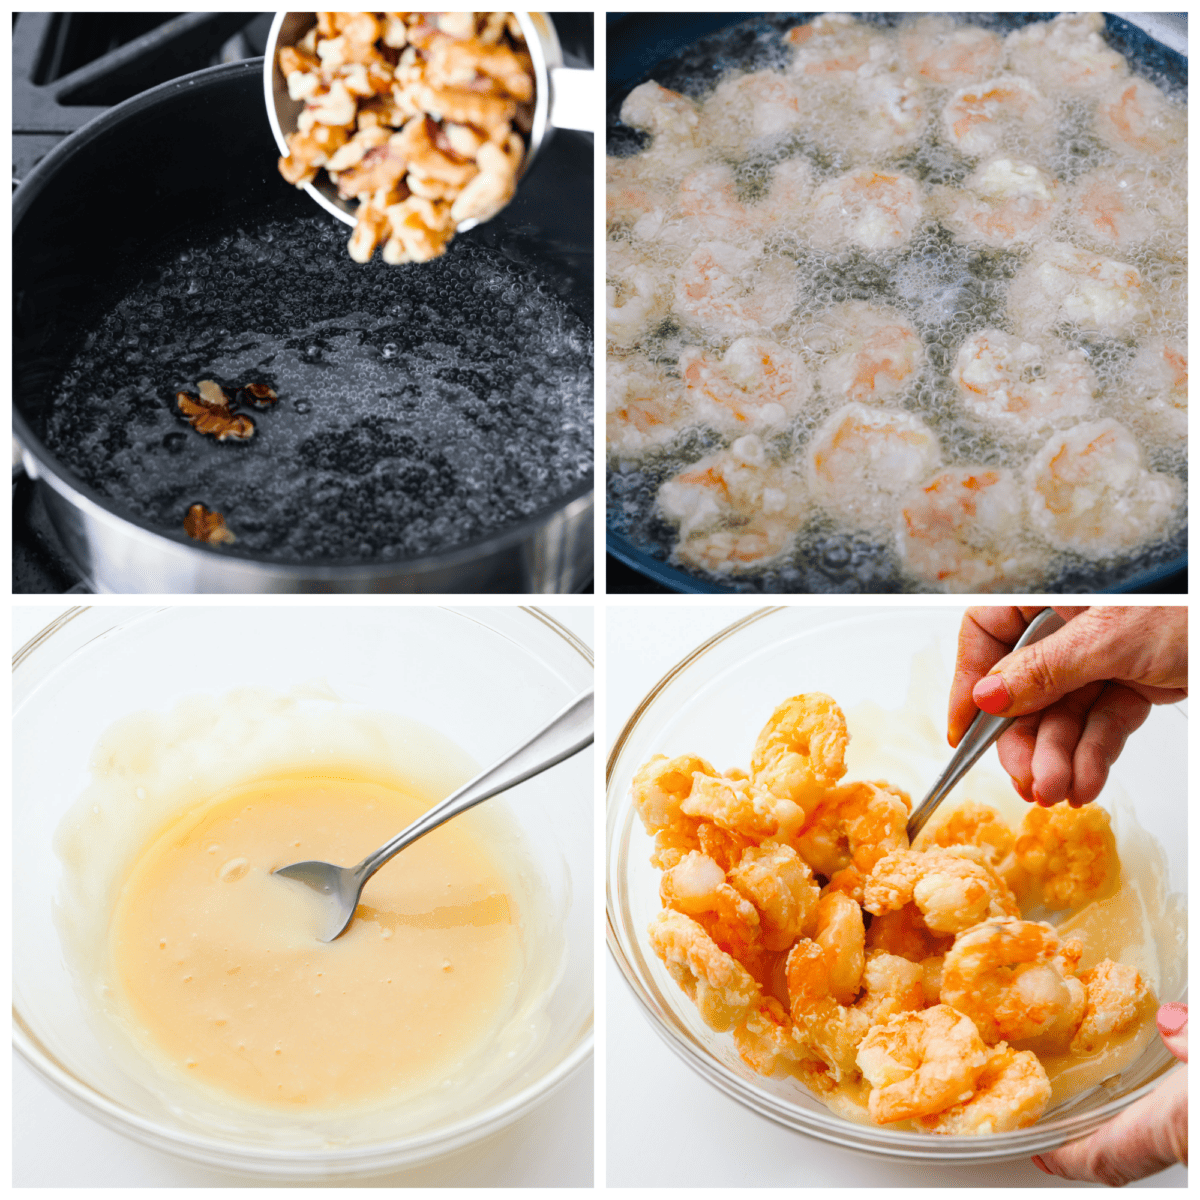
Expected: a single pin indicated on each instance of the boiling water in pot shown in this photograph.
(419, 407)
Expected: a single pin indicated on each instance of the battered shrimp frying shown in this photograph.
(1134, 115)
(727, 290)
(801, 751)
(763, 104)
(1090, 493)
(1012, 1091)
(757, 385)
(722, 989)
(941, 52)
(986, 117)
(960, 531)
(920, 1063)
(1066, 53)
(635, 298)
(868, 208)
(711, 210)
(1003, 202)
(861, 460)
(1061, 283)
(672, 119)
(1159, 382)
(855, 824)
(1019, 386)
(873, 352)
(734, 509)
(835, 44)
(1070, 853)
(1123, 206)
(646, 407)
(1007, 976)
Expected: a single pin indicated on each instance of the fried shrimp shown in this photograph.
(890, 985)
(646, 407)
(696, 886)
(970, 824)
(1062, 283)
(1119, 207)
(1159, 384)
(942, 52)
(1008, 977)
(1019, 386)
(711, 211)
(722, 989)
(872, 209)
(855, 824)
(780, 885)
(801, 751)
(841, 935)
(1012, 1091)
(835, 44)
(673, 120)
(1115, 995)
(1089, 492)
(762, 104)
(919, 1063)
(903, 932)
(1003, 202)
(952, 889)
(727, 290)
(1004, 113)
(1066, 53)
(1134, 115)
(734, 509)
(757, 385)
(766, 1041)
(827, 1029)
(1069, 852)
(861, 460)
(960, 531)
(635, 301)
(872, 352)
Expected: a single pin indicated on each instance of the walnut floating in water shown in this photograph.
(210, 413)
(259, 395)
(206, 526)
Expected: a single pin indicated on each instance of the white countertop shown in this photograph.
(665, 1126)
(55, 1145)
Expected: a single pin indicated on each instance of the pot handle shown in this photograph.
(574, 100)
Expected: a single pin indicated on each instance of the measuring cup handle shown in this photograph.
(574, 99)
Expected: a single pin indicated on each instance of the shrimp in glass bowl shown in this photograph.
(1063, 283)
(1066, 53)
(646, 407)
(868, 208)
(1019, 387)
(1119, 207)
(735, 509)
(943, 52)
(872, 352)
(963, 531)
(1003, 202)
(1134, 116)
(728, 291)
(755, 386)
(1090, 493)
(861, 460)
(1003, 114)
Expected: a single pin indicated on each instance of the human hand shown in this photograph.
(1147, 1137)
(1078, 693)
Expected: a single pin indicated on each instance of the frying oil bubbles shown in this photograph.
(948, 288)
(398, 388)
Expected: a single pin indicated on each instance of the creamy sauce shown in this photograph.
(218, 961)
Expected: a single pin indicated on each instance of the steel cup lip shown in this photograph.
(287, 28)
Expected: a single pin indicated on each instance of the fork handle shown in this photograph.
(983, 731)
(563, 735)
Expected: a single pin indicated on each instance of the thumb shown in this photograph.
(1172, 1026)
(1033, 678)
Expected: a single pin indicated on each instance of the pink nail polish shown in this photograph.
(1172, 1018)
(991, 694)
(1041, 1166)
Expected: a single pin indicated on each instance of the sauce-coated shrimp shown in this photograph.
(1115, 995)
(1011, 1092)
(645, 406)
(952, 888)
(767, 1041)
(1134, 115)
(778, 882)
(1070, 852)
(970, 824)
(1061, 282)
(801, 751)
(920, 1063)
(1066, 53)
(960, 530)
(757, 385)
(696, 886)
(828, 1029)
(835, 44)
(998, 114)
(841, 935)
(734, 509)
(890, 985)
(854, 824)
(728, 290)
(873, 352)
(1019, 386)
(721, 988)
(1003, 202)
(861, 460)
(1090, 493)
(942, 52)
(903, 932)
(1007, 976)
(868, 208)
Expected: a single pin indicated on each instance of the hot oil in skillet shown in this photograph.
(420, 406)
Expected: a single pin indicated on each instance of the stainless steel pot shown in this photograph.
(134, 165)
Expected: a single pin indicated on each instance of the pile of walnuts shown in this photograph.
(417, 115)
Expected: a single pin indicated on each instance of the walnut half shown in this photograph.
(206, 526)
(210, 413)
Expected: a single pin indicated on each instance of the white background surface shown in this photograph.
(54, 1145)
(665, 1126)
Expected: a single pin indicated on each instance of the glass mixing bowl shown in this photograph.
(714, 702)
(484, 677)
